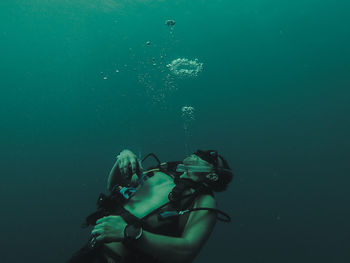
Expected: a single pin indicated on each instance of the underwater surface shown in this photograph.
(266, 83)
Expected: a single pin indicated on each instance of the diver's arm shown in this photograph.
(113, 177)
(183, 249)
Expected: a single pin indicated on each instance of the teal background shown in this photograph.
(273, 98)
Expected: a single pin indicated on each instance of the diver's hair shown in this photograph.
(225, 175)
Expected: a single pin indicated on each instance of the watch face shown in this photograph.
(133, 232)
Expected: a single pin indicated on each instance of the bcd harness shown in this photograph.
(112, 203)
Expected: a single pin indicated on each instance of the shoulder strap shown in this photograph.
(176, 196)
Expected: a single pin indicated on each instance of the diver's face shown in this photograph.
(192, 160)
(195, 160)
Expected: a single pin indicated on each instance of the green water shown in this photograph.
(273, 98)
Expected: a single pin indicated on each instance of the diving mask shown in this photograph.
(193, 168)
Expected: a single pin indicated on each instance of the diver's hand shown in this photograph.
(127, 162)
(109, 229)
(124, 168)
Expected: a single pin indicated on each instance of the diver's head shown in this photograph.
(208, 167)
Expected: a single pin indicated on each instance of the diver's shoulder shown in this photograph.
(206, 200)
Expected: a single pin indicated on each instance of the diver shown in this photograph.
(162, 214)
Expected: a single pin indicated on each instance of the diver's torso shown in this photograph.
(152, 195)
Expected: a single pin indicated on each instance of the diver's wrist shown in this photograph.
(132, 233)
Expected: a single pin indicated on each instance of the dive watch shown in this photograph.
(132, 233)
